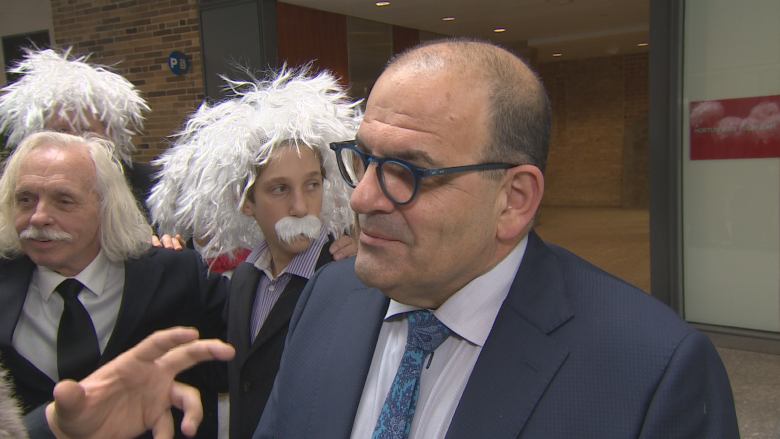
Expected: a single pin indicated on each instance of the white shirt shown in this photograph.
(469, 314)
(35, 335)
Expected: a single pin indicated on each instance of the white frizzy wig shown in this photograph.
(214, 161)
(73, 88)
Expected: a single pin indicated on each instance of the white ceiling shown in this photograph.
(575, 28)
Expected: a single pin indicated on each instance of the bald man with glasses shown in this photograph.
(455, 320)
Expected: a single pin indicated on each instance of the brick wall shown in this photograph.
(139, 35)
(594, 101)
(636, 77)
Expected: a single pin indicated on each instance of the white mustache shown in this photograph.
(290, 228)
(32, 232)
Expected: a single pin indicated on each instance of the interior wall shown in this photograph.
(404, 38)
(596, 103)
(308, 34)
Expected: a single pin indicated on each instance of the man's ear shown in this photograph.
(523, 189)
(246, 208)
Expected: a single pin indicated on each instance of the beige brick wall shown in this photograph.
(593, 101)
(139, 35)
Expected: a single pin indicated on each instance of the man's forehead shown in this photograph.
(422, 122)
(72, 163)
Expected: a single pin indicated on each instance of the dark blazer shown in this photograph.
(141, 178)
(251, 374)
(574, 353)
(164, 288)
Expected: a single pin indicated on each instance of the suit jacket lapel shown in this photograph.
(356, 328)
(243, 288)
(283, 308)
(15, 277)
(14, 281)
(280, 313)
(518, 360)
(141, 280)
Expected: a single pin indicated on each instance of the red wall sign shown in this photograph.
(744, 128)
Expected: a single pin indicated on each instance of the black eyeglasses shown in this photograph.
(399, 180)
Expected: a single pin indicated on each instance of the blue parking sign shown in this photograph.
(178, 63)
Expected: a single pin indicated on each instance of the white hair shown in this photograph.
(213, 164)
(124, 233)
(54, 83)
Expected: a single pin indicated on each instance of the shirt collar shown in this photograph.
(303, 264)
(93, 277)
(471, 311)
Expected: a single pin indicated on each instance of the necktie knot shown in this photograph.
(426, 332)
(69, 289)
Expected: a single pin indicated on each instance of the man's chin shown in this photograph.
(370, 270)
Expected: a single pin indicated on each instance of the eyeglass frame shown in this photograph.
(418, 172)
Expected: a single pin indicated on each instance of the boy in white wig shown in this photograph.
(256, 172)
(60, 92)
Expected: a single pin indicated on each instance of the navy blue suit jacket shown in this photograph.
(574, 352)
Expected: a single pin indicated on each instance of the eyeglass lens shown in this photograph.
(397, 180)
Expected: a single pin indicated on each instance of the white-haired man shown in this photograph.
(256, 172)
(79, 283)
(60, 92)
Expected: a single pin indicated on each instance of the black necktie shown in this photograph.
(78, 351)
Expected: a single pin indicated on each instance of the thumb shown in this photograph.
(69, 399)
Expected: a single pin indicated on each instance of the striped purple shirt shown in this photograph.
(269, 289)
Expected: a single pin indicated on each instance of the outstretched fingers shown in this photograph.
(158, 344)
(189, 354)
(163, 428)
(187, 399)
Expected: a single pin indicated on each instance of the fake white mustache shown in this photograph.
(290, 228)
(32, 232)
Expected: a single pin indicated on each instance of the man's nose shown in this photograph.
(298, 206)
(41, 217)
(368, 196)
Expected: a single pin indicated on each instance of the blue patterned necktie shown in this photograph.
(426, 333)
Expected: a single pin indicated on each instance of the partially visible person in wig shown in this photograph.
(256, 172)
(61, 92)
(11, 426)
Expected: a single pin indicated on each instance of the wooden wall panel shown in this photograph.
(404, 38)
(308, 34)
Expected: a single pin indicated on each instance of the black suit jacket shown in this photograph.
(163, 288)
(141, 178)
(251, 374)
(573, 353)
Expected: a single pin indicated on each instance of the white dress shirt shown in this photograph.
(469, 314)
(35, 335)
